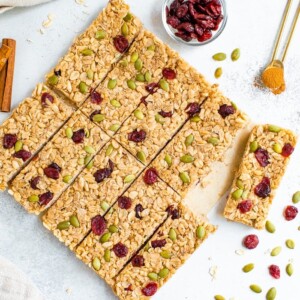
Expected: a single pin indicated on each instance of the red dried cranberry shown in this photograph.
(78, 136)
(290, 213)
(9, 140)
(207, 24)
(173, 212)
(144, 100)
(57, 72)
(98, 225)
(124, 202)
(198, 30)
(137, 136)
(138, 209)
(166, 114)
(169, 74)
(263, 189)
(251, 241)
(96, 98)
(46, 97)
(226, 110)
(182, 10)
(150, 289)
(274, 271)
(158, 243)
(52, 171)
(214, 9)
(207, 35)
(45, 198)
(96, 112)
(55, 166)
(121, 43)
(138, 261)
(262, 156)
(173, 21)
(23, 154)
(120, 250)
(245, 206)
(287, 150)
(152, 88)
(174, 6)
(151, 176)
(183, 35)
(187, 27)
(34, 182)
(104, 173)
(192, 109)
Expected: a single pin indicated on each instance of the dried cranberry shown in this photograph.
(94, 113)
(251, 241)
(226, 110)
(169, 74)
(124, 202)
(173, 212)
(96, 98)
(174, 6)
(262, 156)
(290, 213)
(138, 209)
(287, 150)
(34, 182)
(207, 34)
(182, 10)
(55, 166)
(245, 206)
(207, 24)
(173, 21)
(151, 176)
(186, 26)
(150, 289)
(214, 9)
(57, 72)
(274, 271)
(137, 136)
(9, 140)
(104, 173)
(192, 109)
(263, 189)
(45, 198)
(198, 30)
(183, 35)
(121, 43)
(158, 243)
(152, 88)
(166, 114)
(46, 97)
(78, 136)
(23, 154)
(120, 250)
(98, 225)
(52, 171)
(144, 100)
(138, 261)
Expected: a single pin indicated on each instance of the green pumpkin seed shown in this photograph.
(277, 148)
(96, 264)
(240, 184)
(113, 229)
(166, 254)
(87, 159)
(195, 119)
(214, 141)
(18, 146)
(148, 76)
(141, 156)
(90, 164)
(134, 57)
(125, 29)
(107, 255)
(296, 197)
(138, 114)
(276, 251)
(124, 63)
(67, 178)
(140, 77)
(147, 247)
(138, 65)
(219, 297)
(235, 55)
(151, 48)
(248, 268)
(164, 85)
(109, 150)
(153, 276)
(64, 225)
(273, 128)
(104, 205)
(159, 119)
(163, 273)
(237, 194)
(271, 294)
(115, 103)
(219, 56)
(69, 132)
(290, 244)
(87, 52)
(114, 127)
(289, 269)
(185, 178)
(112, 83)
(89, 149)
(168, 160)
(187, 159)
(200, 232)
(74, 221)
(255, 288)
(270, 227)
(189, 140)
(128, 17)
(86, 132)
(129, 178)
(53, 80)
(172, 235)
(218, 72)
(100, 34)
(33, 198)
(131, 84)
(90, 74)
(253, 146)
(83, 88)
(105, 237)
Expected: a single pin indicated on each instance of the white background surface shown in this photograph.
(252, 26)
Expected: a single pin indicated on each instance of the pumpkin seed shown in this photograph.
(253, 146)
(237, 194)
(219, 56)
(240, 184)
(89, 149)
(113, 229)
(270, 227)
(218, 72)
(219, 297)
(138, 65)
(125, 29)
(105, 237)
(248, 268)
(138, 114)
(18, 146)
(168, 160)
(214, 141)
(187, 158)
(153, 276)
(164, 85)
(74, 221)
(172, 235)
(131, 84)
(274, 128)
(81, 161)
(235, 55)
(276, 251)
(159, 119)
(255, 288)
(107, 255)
(87, 52)
(69, 132)
(114, 127)
(195, 119)
(112, 83)
(129, 178)
(184, 176)
(53, 80)
(67, 178)
(33, 198)
(271, 294)
(200, 232)
(87, 159)
(290, 244)
(96, 264)
(124, 63)
(166, 254)
(83, 88)
(90, 165)
(277, 148)
(189, 140)
(134, 57)
(148, 76)
(100, 34)
(63, 225)
(115, 103)
(86, 132)
(109, 150)
(296, 197)
(141, 156)
(163, 273)
(151, 48)
(289, 269)
(140, 77)
(104, 205)
(128, 17)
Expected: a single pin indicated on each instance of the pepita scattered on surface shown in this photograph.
(276, 251)
(219, 297)
(296, 197)
(18, 146)
(105, 237)
(138, 65)
(255, 288)
(129, 178)
(271, 294)
(67, 178)
(153, 276)
(248, 268)
(138, 114)
(273, 128)
(113, 229)
(83, 88)
(107, 255)
(128, 17)
(237, 194)
(125, 29)
(187, 158)
(131, 84)
(33, 198)
(69, 132)
(218, 72)
(166, 254)
(184, 176)
(213, 140)
(148, 76)
(195, 119)
(114, 127)
(104, 205)
(112, 83)
(168, 160)
(53, 80)
(235, 54)
(87, 52)
(189, 140)
(115, 103)
(270, 227)
(219, 56)
(90, 164)
(277, 148)
(89, 149)
(200, 232)
(140, 77)
(289, 269)
(100, 35)
(290, 244)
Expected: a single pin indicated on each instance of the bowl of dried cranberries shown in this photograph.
(194, 22)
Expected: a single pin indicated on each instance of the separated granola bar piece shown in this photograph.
(94, 52)
(134, 218)
(40, 183)
(31, 124)
(263, 166)
(126, 85)
(95, 190)
(203, 140)
(166, 251)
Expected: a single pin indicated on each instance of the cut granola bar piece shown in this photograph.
(262, 168)
(164, 254)
(53, 169)
(92, 194)
(129, 223)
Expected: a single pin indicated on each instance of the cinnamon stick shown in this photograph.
(5, 52)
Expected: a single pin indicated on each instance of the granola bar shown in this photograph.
(91, 194)
(94, 52)
(40, 183)
(30, 126)
(203, 140)
(121, 92)
(166, 251)
(263, 166)
(127, 226)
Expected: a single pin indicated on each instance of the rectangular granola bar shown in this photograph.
(131, 221)
(40, 183)
(202, 140)
(263, 166)
(29, 127)
(165, 253)
(94, 52)
(91, 194)
(121, 92)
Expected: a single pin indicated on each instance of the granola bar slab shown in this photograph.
(131, 221)
(164, 254)
(94, 52)
(202, 140)
(91, 194)
(29, 127)
(263, 166)
(40, 183)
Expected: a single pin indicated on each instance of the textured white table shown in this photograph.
(252, 26)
